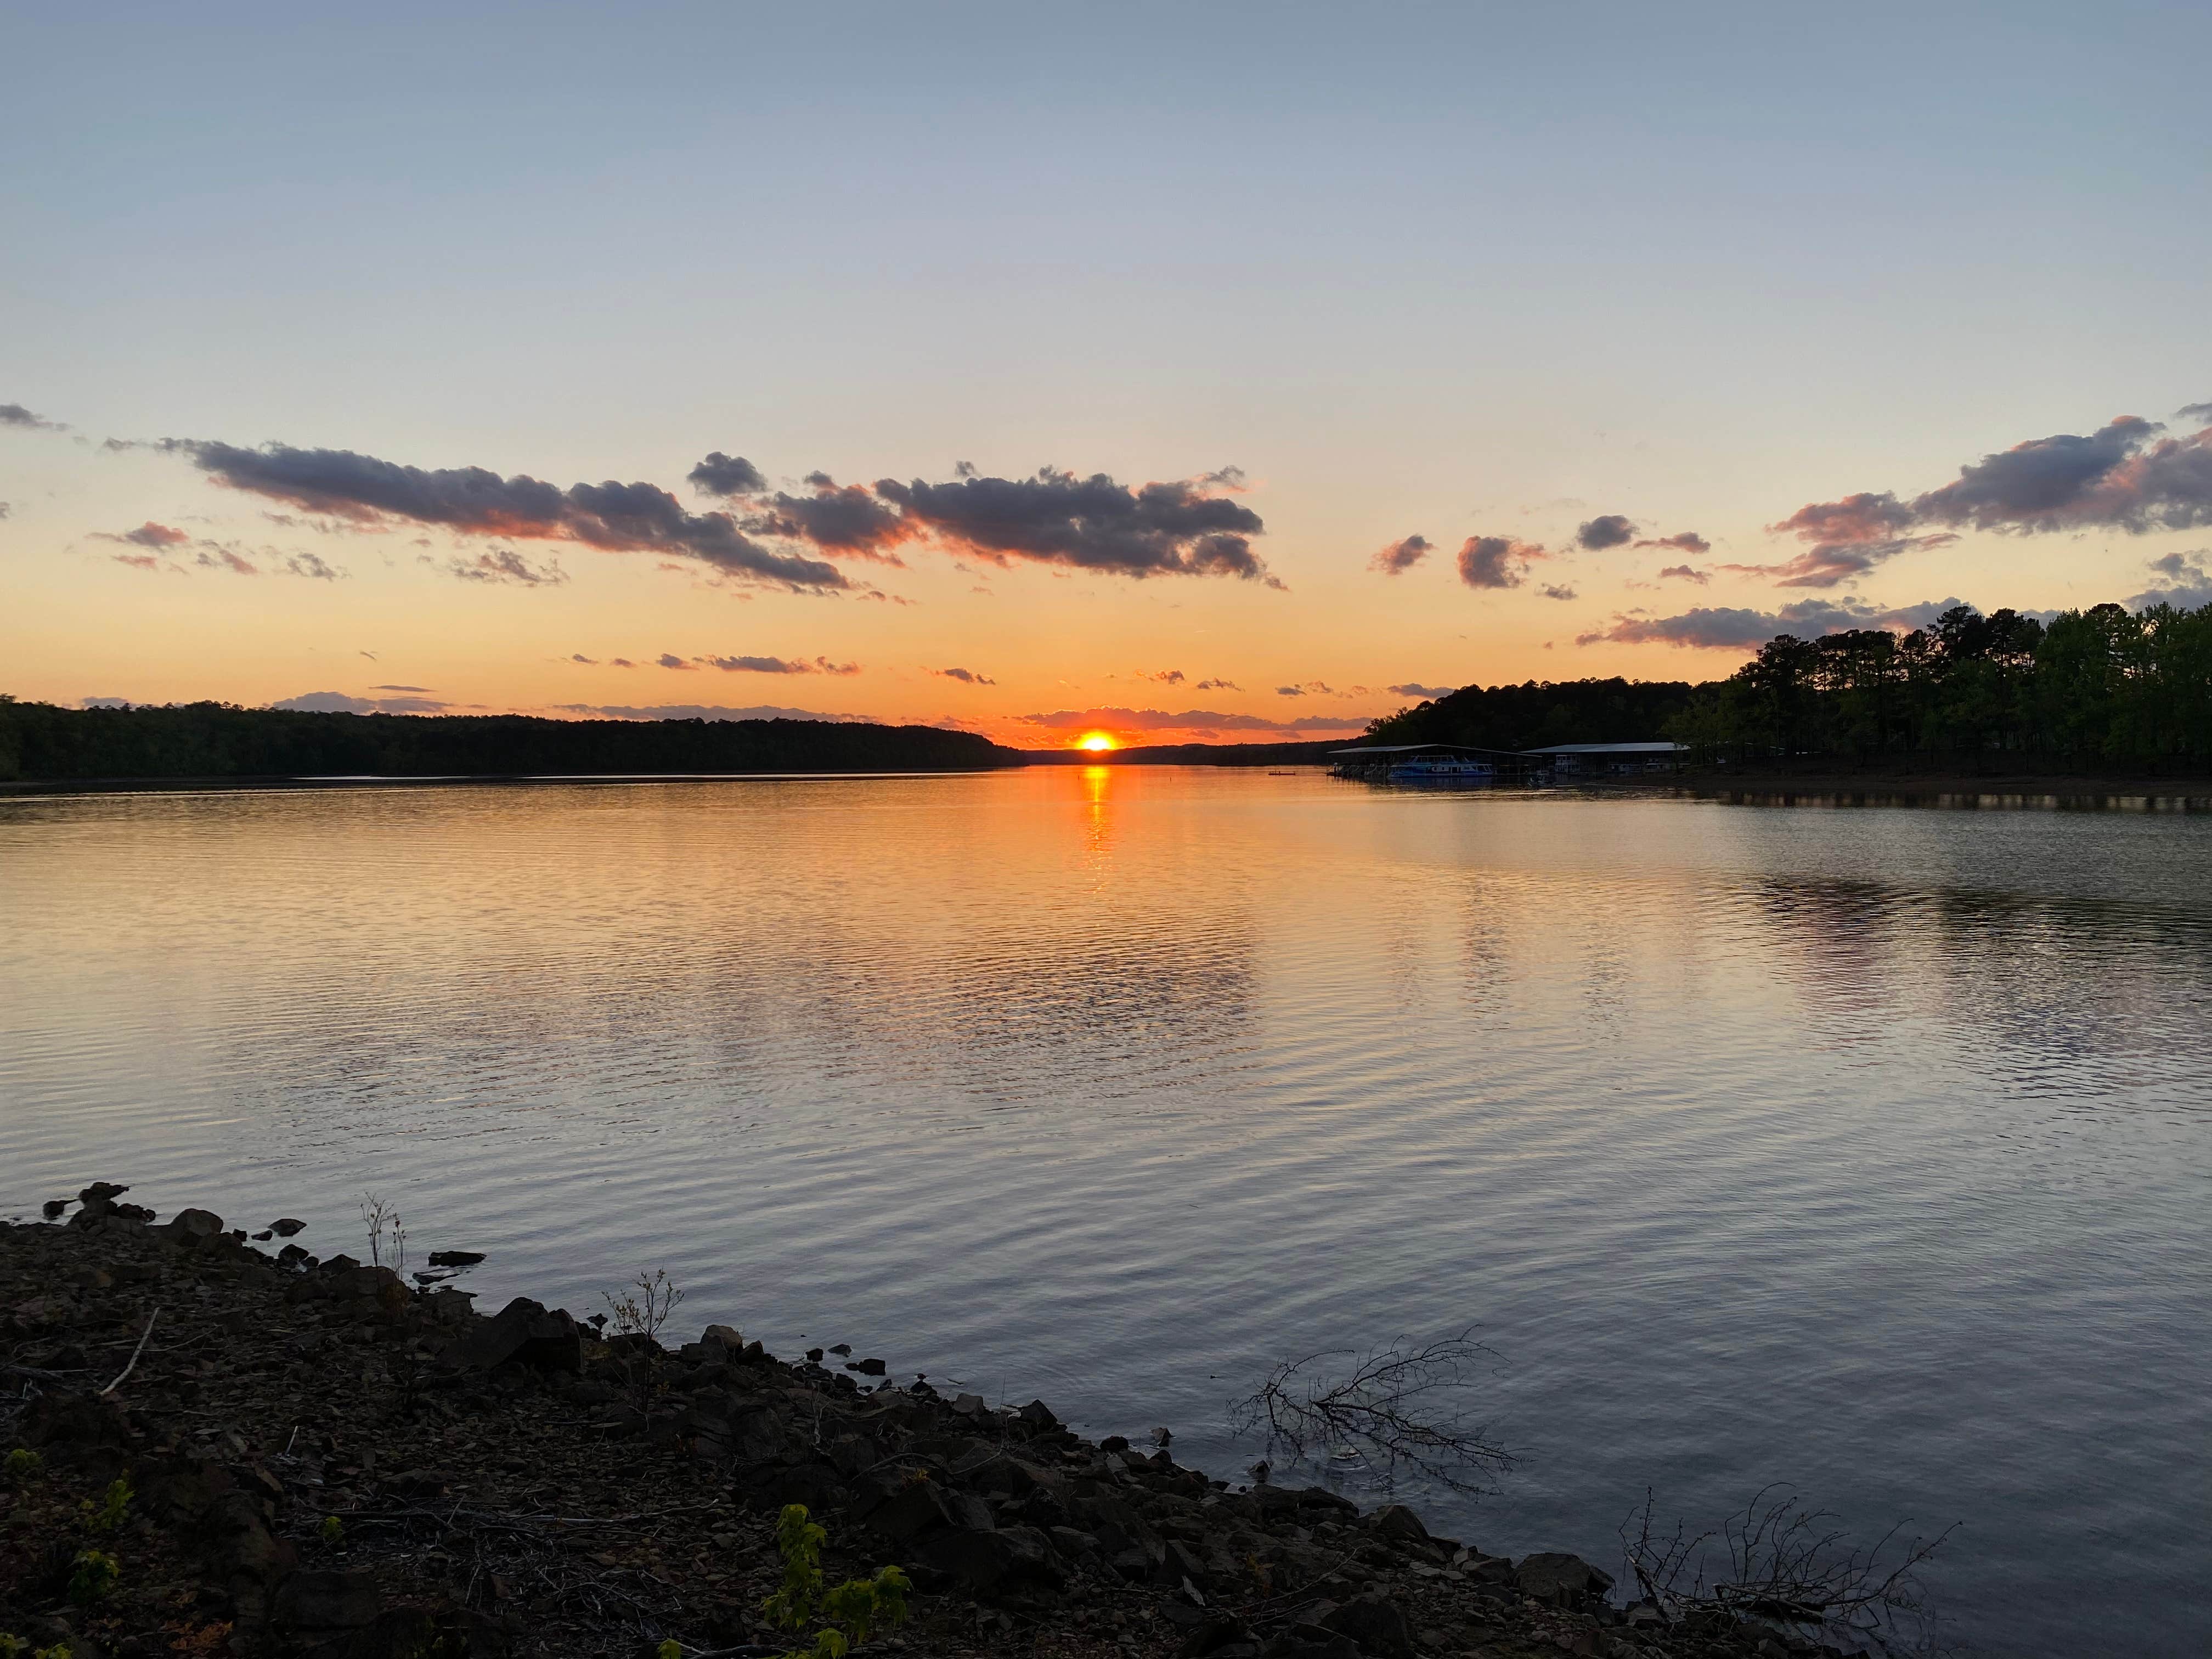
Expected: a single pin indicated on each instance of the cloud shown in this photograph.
(620, 662)
(2124, 476)
(726, 476)
(589, 662)
(1719, 628)
(5, 509)
(1218, 685)
(506, 566)
(1399, 557)
(1310, 688)
(1190, 720)
(403, 688)
(1177, 528)
(775, 666)
(1684, 573)
(1488, 560)
(17, 415)
(848, 520)
(338, 703)
(965, 676)
(2187, 585)
(1686, 541)
(699, 711)
(2194, 412)
(1606, 530)
(1557, 591)
(308, 565)
(213, 555)
(1413, 688)
(620, 518)
(1165, 676)
(157, 537)
(669, 659)
(104, 702)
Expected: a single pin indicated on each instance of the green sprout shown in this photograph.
(849, 1613)
(114, 1505)
(332, 1530)
(93, 1574)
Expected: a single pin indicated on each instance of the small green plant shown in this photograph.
(113, 1507)
(12, 1647)
(848, 1614)
(23, 1464)
(91, 1576)
(645, 1313)
(670, 1649)
(332, 1531)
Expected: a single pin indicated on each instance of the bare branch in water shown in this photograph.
(1788, 1564)
(1391, 1411)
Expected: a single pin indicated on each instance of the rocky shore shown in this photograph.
(216, 1443)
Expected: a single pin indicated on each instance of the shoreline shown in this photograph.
(320, 1458)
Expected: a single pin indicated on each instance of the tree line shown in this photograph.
(2101, 688)
(222, 740)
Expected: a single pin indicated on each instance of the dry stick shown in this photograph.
(135, 1352)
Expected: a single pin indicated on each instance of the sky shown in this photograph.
(1224, 372)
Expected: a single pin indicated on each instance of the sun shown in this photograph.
(1097, 742)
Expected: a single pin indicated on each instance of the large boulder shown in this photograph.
(524, 1332)
(986, 1562)
(318, 1605)
(1560, 1579)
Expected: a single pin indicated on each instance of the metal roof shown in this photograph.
(1611, 749)
(1423, 749)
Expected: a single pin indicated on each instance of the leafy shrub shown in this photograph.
(849, 1613)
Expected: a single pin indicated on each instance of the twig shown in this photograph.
(135, 1352)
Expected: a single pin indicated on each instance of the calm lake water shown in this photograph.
(1864, 1150)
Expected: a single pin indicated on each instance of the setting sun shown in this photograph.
(1097, 742)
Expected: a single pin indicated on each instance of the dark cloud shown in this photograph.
(1717, 627)
(1087, 524)
(140, 561)
(965, 676)
(1606, 530)
(1847, 539)
(2194, 412)
(505, 565)
(963, 469)
(5, 509)
(1218, 685)
(1557, 591)
(1685, 574)
(1413, 688)
(848, 520)
(1289, 690)
(1399, 557)
(15, 415)
(339, 703)
(1686, 541)
(623, 517)
(2186, 583)
(1190, 720)
(776, 666)
(620, 662)
(213, 555)
(698, 711)
(1165, 676)
(588, 662)
(726, 475)
(403, 688)
(1231, 478)
(105, 702)
(1496, 561)
(669, 659)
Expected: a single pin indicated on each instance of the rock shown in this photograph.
(724, 1338)
(288, 1225)
(246, 1555)
(970, 1404)
(814, 1356)
(455, 1258)
(102, 1192)
(987, 1561)
(869, 1368)
(326, 1601)
(417, 1633)
(73, 1423)
(293, 1255)
(1397, 1521)
(1038, 1415)
(52, 1208)
(525, 1332)
(1311, 1642)
(1560, 1579)
(842, 1350)
(189, 1226)
(1114, 1442)
(1217, 1632)
(913, 1509)
(1374, 1623)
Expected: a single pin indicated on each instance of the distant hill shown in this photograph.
(40, 741)
(1195, 754)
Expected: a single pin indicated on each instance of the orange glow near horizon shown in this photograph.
(1097, 742)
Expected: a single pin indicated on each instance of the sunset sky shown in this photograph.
(1227, 372)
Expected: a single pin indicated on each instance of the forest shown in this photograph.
(222, 740)
(2103, 688)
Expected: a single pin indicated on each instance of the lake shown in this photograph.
(1866, 1151)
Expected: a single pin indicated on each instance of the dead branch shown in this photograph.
(1786, 1564)
(135, 1352)
(1391, 1410)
